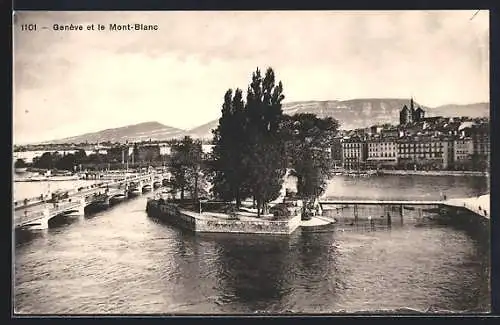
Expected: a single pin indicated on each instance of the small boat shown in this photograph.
(117, 199)
(409, 208)
(146, 188)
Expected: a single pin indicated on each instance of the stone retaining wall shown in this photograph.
(190, 220)
(254, 227)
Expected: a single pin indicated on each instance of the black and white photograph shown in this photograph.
(251, 162)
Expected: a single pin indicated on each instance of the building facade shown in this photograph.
(354, 152)
(382, 153)
(480, 135)
(462, 153)
(424, 153)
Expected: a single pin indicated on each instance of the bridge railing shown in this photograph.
(19, 204)
(64, 206)
(28, 217)
(29, 201)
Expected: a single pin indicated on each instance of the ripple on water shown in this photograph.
(120, 261)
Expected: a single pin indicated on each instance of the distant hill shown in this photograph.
(360, 113)
(352, 114)
(131, 133)
(471, 110)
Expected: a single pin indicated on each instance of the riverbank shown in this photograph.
(433, 173)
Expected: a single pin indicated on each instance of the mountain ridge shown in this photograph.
(352, 113)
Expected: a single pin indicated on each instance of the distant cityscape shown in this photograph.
(417, 143)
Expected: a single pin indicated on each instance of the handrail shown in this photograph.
(40, 199)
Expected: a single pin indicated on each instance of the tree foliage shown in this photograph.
(309, 141)
(20, 163)
(249, 153)
(185, 166)
(228, 176)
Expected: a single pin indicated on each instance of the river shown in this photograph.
(121, 261)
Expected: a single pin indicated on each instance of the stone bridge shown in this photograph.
(35, 213)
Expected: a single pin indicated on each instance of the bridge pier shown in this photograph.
(355, 211)
(42, 223)
(81, 207)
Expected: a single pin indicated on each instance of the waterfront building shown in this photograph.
(426, 153)
(354, 152)
(165, 149)
(462, 153)
(382, 153)
(336, 152)
(480, 135)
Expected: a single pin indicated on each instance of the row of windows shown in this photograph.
(420, 150)
(423, 155)
(383, 144)
(381, 149)
(385, 154)
(420, 144)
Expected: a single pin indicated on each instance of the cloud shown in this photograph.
(81, 81)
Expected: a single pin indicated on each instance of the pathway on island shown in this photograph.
(479, 205)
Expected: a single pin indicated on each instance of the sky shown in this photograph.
(67, 83)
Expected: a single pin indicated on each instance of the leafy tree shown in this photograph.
(249, 154)
(309, 140)
(80, 156)
(20, 163)
(185, 166)
(47, 160)
(67, 162)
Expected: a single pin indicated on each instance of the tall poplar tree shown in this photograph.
(264, 159)
(228, 171)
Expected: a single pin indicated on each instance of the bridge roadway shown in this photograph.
(31, 210)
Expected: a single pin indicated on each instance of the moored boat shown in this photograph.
(146, 188)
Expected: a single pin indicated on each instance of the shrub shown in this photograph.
(280, 210)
